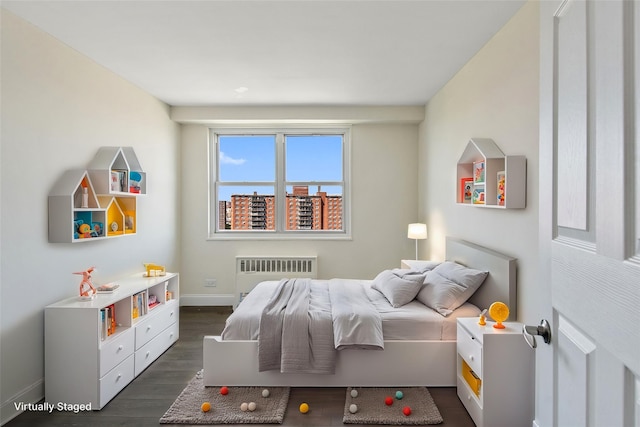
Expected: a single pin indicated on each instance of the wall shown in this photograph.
(495, 95)
(384, 185)
(58, 108)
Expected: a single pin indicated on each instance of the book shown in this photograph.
(108, 288)
(478, 172)
(478, 195)
(501, 188)
(466, 189)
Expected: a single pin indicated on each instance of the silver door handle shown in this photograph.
(543, 329)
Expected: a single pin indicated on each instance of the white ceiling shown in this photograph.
(292, 52)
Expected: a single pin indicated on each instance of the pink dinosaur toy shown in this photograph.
(86, 287)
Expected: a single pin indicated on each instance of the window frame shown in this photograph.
(279, 185)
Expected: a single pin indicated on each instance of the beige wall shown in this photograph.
(58, 108)
(383, 183)
(495, 95)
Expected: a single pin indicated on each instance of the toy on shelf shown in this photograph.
(87, 290)
(154, 270)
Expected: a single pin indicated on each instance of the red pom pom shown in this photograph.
(388, 400)
(224, 390)
(406, 410)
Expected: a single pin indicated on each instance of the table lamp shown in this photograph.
(417, 231)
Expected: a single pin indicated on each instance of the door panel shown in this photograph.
(590, 213)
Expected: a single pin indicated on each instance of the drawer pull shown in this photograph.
(149, 328)
(120, 347)
(171, 314)
(471, 357)
(147, 355)
(118, 377)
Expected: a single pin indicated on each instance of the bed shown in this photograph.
(411, 357)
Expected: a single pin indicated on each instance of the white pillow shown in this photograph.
(398, 286)
(448, 286)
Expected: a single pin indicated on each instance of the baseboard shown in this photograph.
(32, 394)
(208, 299)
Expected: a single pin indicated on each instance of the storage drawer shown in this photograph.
(155, 322)
(470, 401)
(115, 350)
(470, 350)
(116, 380)
(154, 348)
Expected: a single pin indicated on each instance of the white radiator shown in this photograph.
(251, 270)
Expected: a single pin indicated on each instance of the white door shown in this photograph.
(589, 214)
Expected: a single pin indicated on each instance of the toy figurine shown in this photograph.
(87, 289)
(154, 270)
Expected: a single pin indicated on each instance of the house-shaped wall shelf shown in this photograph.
(116, 170)
(83, 206)
(488, 178)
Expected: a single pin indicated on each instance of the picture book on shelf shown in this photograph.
(466, 190)
(478, 195)
(501, 188)
(478, 172)
(107, 321)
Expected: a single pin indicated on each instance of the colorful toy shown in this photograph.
(224, 390)
(87, 290)
(252, 406)
(353, 408)
(206, 407)
(499, 312)
(482, 321)
(84, 231)
(244, 406)
(406, 411)
(154, 270)
(399, 395)
(388, 401)
(265, 393)
(354, 393)
(304, 408)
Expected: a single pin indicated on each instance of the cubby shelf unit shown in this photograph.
(485, 150)
(88, 197)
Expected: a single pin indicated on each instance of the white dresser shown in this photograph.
(88, 360)
(495, 374)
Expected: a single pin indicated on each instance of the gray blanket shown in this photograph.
(296, 333)
(305, 322)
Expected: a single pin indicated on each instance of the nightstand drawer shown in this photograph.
(470, 402)
(470, 350)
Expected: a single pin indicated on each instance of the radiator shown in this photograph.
(251, 270)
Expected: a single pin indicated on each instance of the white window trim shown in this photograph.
(215, 234)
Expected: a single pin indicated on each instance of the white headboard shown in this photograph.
(500, 284)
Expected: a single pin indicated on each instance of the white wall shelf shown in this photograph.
(478, 177)
(100, 202)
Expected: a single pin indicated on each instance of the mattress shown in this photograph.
(412, 321)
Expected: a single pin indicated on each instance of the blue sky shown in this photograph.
(308, 158)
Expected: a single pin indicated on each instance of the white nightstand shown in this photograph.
(495, 374)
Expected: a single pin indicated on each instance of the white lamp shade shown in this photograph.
(417, 231)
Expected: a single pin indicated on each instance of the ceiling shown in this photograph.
(264, 52)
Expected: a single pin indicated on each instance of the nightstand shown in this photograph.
(414, 263)
(495, 373)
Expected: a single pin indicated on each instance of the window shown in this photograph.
(279, 183)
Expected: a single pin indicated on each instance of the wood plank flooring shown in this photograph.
(146, 399)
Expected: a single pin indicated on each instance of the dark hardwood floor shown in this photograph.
(146, 399)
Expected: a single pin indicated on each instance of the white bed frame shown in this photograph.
(401, 363)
